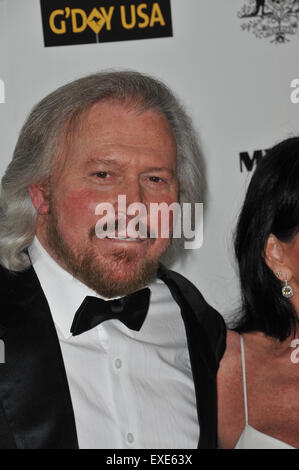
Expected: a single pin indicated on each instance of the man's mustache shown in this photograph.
(120, 226)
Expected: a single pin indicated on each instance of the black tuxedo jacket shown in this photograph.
(35, 403)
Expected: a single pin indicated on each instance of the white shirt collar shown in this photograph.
(64, 293)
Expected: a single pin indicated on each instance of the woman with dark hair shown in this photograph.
(258, 379)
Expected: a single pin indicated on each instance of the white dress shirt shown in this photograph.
(129, 389)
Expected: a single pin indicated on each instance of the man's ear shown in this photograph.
(275, 258)
(39, 193)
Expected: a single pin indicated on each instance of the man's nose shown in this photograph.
(131, 204)
(134, 193)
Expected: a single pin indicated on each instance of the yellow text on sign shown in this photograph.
(141, 16)
(148, 18)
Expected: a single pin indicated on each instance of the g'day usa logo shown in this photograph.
(90, 21)
(273, 19)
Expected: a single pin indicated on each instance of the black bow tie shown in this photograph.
(131, 310)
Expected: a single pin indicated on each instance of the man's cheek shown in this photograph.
(78, 206)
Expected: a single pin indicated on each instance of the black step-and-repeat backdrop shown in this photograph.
(234, 64)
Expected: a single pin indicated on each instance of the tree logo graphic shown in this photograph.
(273, 19)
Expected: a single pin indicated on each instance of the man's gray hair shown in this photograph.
(51, 121)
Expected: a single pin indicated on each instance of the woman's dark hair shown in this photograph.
(271, 206)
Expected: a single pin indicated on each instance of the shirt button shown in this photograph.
(118, 363)
(130, 438)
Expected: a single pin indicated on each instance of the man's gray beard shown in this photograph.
(82, 266)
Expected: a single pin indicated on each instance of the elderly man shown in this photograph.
(105, 347)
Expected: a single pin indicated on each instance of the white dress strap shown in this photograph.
(244, 379)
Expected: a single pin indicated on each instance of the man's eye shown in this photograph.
(156, 179)
(102, 174)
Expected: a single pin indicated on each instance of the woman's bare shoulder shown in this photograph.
(230, 366)
(232, 353)
(230, 393)
(230, 396)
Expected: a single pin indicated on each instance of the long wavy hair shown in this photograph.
(52, 121)
(271, 206)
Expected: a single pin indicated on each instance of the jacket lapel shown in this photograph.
(33, 386)
(202, 360)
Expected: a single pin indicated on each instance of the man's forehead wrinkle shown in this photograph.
(162, 168)
(109, 149)
(103, 161)
(94, 116)
(113, 162)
